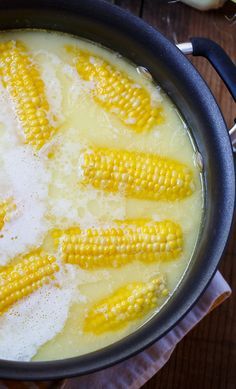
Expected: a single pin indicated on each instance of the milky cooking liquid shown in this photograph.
(46, 188)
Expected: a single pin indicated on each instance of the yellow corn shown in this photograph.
(27, 273)
(137, 175)
(57, 233)
(117, 93)
(119, 245)
(7, 207)
(21, 77)
(128, 303)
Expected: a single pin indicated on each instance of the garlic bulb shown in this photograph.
(204, 4)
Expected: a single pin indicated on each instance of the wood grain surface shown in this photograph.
(206, 357)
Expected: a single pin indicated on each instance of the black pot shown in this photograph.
(119, 30)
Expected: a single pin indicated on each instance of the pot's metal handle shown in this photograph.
(232, 133)
(216, 56)
(220, 61)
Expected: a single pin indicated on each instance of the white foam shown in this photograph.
(8, 118)
(24, 178)
(36, 319)
(71, 203)
(52, 84)
(88, 201)
(29, 191)
(62, 207)
(156, 97)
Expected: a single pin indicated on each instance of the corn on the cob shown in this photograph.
(57, 233)
(135, 174)
(128, 303)
(119, 245)
(27, 273)
(117, 93)
(21, 77)
(7, 207)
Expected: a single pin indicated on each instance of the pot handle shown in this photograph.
(220, 61)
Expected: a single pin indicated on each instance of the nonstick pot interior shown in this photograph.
(130, 36)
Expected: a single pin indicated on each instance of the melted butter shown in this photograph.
(63, 202)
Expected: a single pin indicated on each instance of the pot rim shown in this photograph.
(147, 334)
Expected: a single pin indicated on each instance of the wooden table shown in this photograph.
(206, 358)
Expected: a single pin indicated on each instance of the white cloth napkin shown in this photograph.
(134, 372)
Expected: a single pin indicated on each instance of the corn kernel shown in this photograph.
(114, 247)
(7, 208)
(26, 274)
(21, 78)
(125, 305)
(117, 93)
(135, 174)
